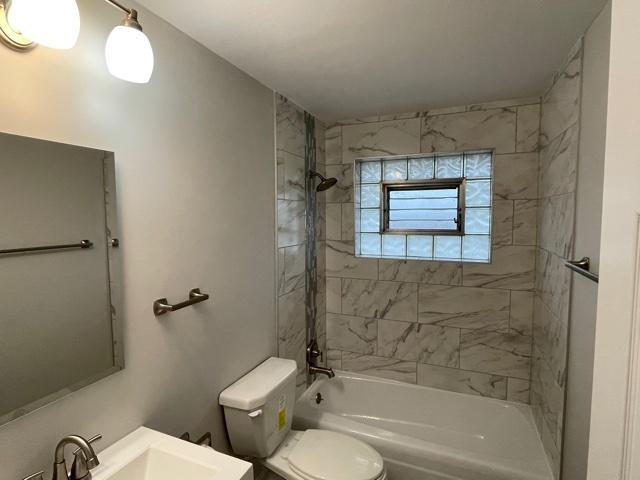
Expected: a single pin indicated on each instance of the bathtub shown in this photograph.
(425, 433)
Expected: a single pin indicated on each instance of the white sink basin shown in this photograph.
(149, 455)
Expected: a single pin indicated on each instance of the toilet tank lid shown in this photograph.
(252, 390)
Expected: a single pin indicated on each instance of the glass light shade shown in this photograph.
(129, 55)
(51, 23)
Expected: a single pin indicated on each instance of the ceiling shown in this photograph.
(345, 58)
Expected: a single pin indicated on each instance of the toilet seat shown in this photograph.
(325, 455)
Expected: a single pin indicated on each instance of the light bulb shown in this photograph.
(51, 23)
(129, 55)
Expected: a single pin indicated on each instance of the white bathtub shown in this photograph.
(428, 434)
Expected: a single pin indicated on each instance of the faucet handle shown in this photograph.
(35, 476)
(313, 352)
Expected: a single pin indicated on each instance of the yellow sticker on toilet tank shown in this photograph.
(282, 412)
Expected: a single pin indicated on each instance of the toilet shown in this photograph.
(258, 411)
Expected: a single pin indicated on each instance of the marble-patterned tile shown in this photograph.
(502, 229)
(280, 169)
(333, 145)
(380, 299)
(359, 120)
(542, 318)
(496, 353)
(321, 224)
(291, 324)
(528, 128)
(321, 335)
(347, 229)
(470, 130)
(389, 368)
(380, 139)
(556, 220)
(547, 438)
(561, 104)
(444, 111)
(399, 116)
(516, 176)
(291, 222)
(334, 295)
(510, 102)
(341, 262)
(352, 334)
(342, 192)
(290, 127)
(420, 271)
(334, 221)
(464, 307)
(559, 164)
(518, 390)
(521, 316)
(568, 58)
(321, 264)
(419, 343)
(554, 455)
(321, 144)
(462, 381)
(294, 265)
(511, 267)
(321, 308)
(550, 336)
(334, 359)
(548, 396)
(294, 178)
(525, 222)
(553, 283)
(280, 266)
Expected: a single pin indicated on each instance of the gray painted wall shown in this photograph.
(194, 154)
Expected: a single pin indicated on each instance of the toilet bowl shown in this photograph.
(258, 413)
(321, 454)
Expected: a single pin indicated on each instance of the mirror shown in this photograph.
(59, 272)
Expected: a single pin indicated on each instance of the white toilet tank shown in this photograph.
(258, 408)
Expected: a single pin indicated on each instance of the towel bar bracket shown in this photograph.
(582, 267)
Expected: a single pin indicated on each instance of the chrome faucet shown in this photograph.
(85, 460)
(313, 353)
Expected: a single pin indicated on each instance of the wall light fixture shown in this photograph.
(56, 24)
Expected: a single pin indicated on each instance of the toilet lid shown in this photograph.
(324, 455)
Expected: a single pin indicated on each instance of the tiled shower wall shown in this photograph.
(459, 327)
(291, 195)
(559, 140)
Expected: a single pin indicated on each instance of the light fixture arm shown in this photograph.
(56, 24)
(119, 6)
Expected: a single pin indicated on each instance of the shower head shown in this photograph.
(325, 183)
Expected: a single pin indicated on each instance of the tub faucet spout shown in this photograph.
(313, 354)
(324, 371)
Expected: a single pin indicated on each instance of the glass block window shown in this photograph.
(425, 207)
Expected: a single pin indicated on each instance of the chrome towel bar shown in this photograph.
(162, 305)
(83, 244)
(583, 268)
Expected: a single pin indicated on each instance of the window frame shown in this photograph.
(432, 184)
